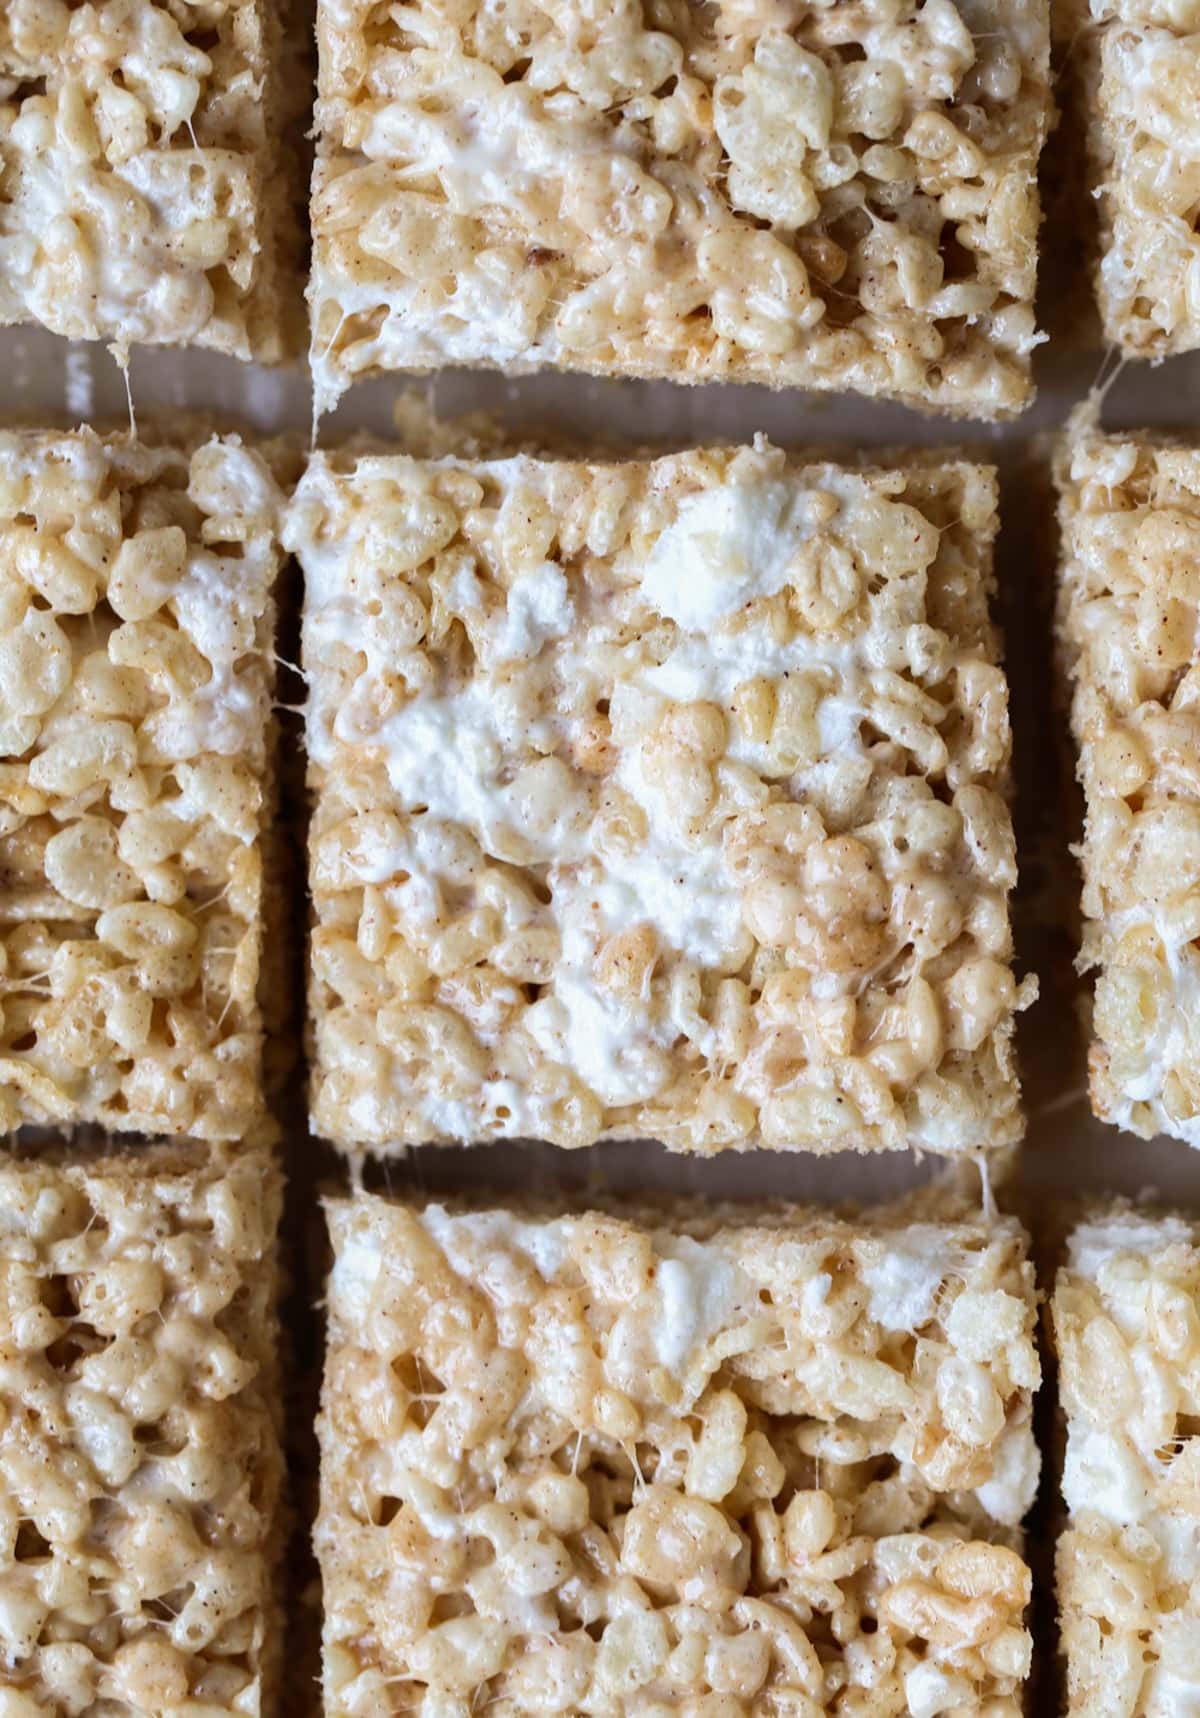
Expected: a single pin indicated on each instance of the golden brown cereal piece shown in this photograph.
(741, 1465)
(1140, 66)
(826, 196)
(1126, 1317)
(1129, 511)
(140, 1464)
(147, 182)
(657, 799)
(136, 633)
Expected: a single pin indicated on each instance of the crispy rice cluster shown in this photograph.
(1139, 70)
(136, 638)
(140, 1462)
(1129, 512)
(657, 800)
(147, 182)
(835, 195)
(768, 1465)
(1126, 1316)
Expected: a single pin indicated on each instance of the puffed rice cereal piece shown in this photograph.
(656, 800)
(140, 1462)
(833, 195)
(136, 638)
(1126, 1320)
(148, 181)
(1129, 511)
(747, 1463)
(1139, 62)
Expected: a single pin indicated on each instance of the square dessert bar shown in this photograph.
(836, 195)
(1129, 511)
(1126, 1318)
(738, 1464)
(1140, 69)
(140, 1464)
(148, 188)
(136, 639)
(656, 800)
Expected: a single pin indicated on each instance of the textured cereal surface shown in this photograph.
(1129, 512)
(826, 195)
(588, 1465)
(145, 180)
(136, 632)
(140, 1464)
(1126, 1317)
(656, 800)
(1143, 71)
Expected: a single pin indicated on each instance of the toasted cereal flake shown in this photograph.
(830, 196)
(743, 1464)
(140, 1463)
(147, 185)
(1129, 511)
(136, 632)
(1126, 1318)
(1140, 63)
(656, 799)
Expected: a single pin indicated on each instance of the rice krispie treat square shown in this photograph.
(136, 639)
(1140, 70)
(1129, 511)
(736, 1465)
(1126, 1320)
(657, 799)
(140, 1464)
(836, 195)
(148, 184)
